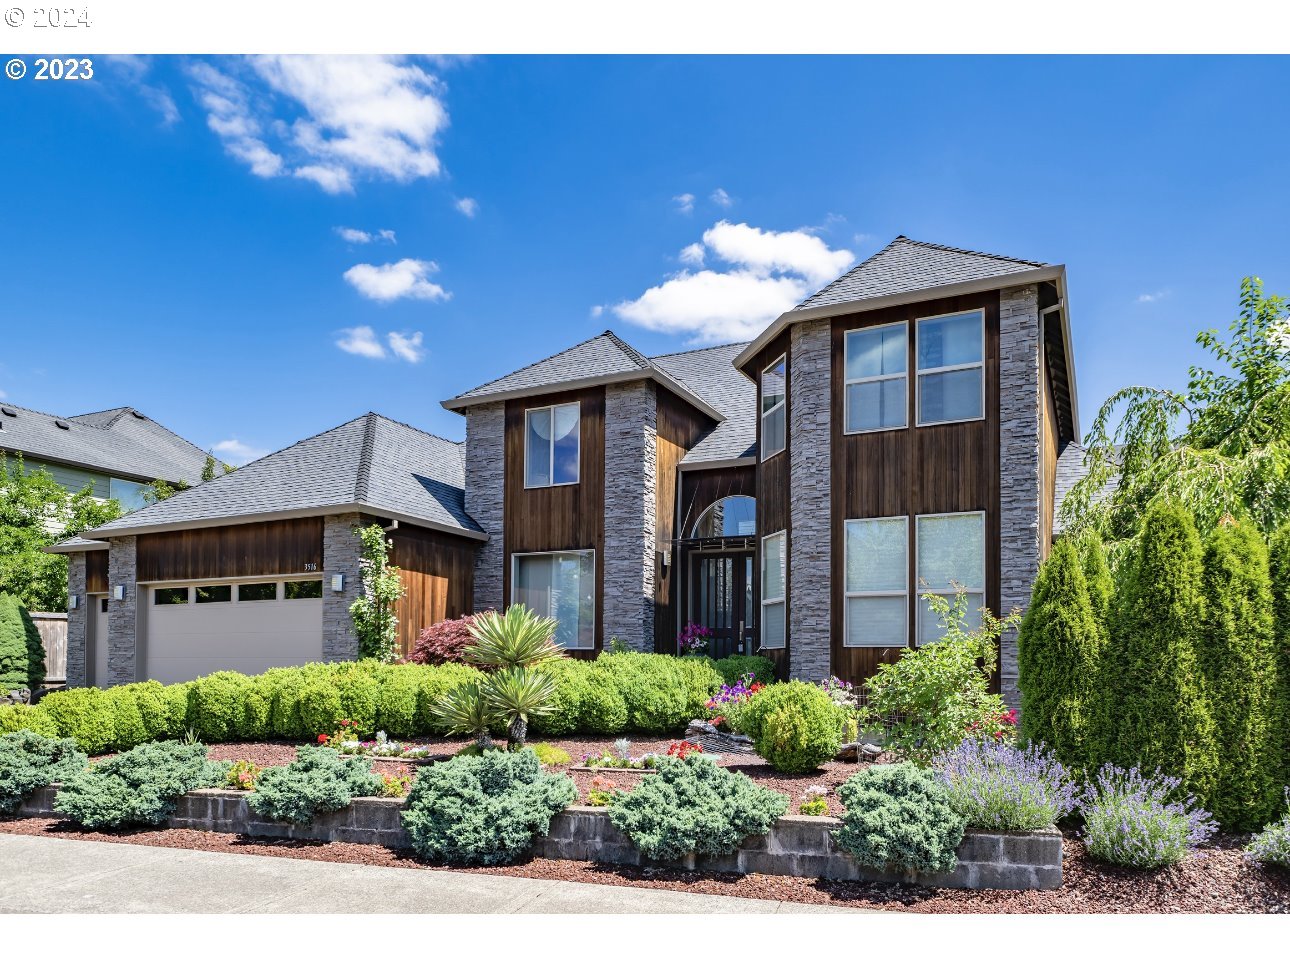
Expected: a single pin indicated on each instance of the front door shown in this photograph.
(721, 598)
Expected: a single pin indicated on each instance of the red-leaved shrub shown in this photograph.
(444, 642)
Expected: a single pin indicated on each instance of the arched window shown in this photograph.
(728, 517)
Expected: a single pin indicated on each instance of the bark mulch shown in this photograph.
(1214, 880)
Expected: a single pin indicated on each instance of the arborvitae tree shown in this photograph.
(1238, 658)
(1057, 655)
(1280, 567)
(1154, 710)
(22, 655)
(1101, 588)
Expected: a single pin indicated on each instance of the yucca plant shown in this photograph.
(517, 638)
(466, 710)
(517, 695)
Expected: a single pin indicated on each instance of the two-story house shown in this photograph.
(898, 431)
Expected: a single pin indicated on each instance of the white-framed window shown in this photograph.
(877, 583)
(951, 550)
(877, 397)
(560, 585)
(127, 493)
(774, 408)
(551, 445)
(774, 590)
(951, 367)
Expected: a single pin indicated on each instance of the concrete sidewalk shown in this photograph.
(40, 874)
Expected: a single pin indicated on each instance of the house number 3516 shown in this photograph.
(311, 567)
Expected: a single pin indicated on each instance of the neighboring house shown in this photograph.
(898, 431)
(117, 452)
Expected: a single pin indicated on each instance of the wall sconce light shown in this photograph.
(72, 601)
(665, 560)
(118, 592)
(338, 582)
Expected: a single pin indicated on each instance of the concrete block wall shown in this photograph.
(77, 623)
(631, 468)
(1020, 464)
(341, 552)
(485, 496)
(123, 615)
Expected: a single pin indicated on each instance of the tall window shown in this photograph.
(774, 412)
(951, 368)
(551, 445)
(876, 393)
(951, 550)
(877, 581)
(774, 567)
(560, 586)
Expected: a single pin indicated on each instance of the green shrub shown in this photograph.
(1057, 654)
(128, 729)
(33, 718)
(83, 714)
(548, 754)
(1272, 846)
(176, 700)
(692, 805)
(1239, 662)
(9, 718)
(435, 682)
(284, 715)
(320, 707)
(702, 680)
(1280, 568)
(602, 709)
(652, 688)
(22, 655)
(734, 667)
(154, 711)
(1101, 586)
(483, 809)
(215, 706)
(396, 700)
(1152, 710)
(29, 761)
(359, 691)
(139, 787)
(318, 781)
(570, 677)
(257, 709)
(899, 817)
(794, 726)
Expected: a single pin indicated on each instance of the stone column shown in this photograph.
(77, 619)
(341, 552)
(123, 617)
(1020, 464)
(631, 473)
(485, 496)
(810, 533)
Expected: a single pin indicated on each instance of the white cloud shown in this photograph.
(720, 197)
(235, 451)
(467, 206)
(357, 236)
(404, 279)
(361, 341)
(863, 238)
(328, 120)
(5, 396)
(765, 273)
(407, 348)
(1153, 296)
(596, 313)
(134, 69)
(684, 203)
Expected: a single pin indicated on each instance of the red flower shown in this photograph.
(324, 738)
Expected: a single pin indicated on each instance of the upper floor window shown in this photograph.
(951, 368)
(876, 394)
(951, 557)
(551, 445)
(774, 411)
(128, 494)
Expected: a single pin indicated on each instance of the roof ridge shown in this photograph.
(117, 411)
(539, 362)
(417, 429)
(965, 251)
(628, 348)
(701, 349)
(363, 481)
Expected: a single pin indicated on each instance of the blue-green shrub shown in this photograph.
(139, 787)
(318, 781)
(899, 817)
(483, 809)
(29, 761)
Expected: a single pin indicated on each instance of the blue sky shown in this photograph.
(171, 228)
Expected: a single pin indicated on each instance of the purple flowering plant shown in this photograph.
(1141, 821)
(694, 639)
(994, 785)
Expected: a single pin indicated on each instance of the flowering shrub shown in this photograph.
(994, 785)
(242, 774)
(725, 706)
(395, 785)
(841, 693)
(997, 724)
(602, 792)
(1141, 821)
(694, 639)
(815, 804)
(1272, 846)
(443, 642)
(682, 749)
(344, 735)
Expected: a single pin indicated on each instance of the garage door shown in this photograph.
(246, 626)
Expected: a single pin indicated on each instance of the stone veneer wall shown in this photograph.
(810, 534)
(341, 552)
(123, 616)
(1020, 463)
(485, 496)
(631, 468)
(76, 674)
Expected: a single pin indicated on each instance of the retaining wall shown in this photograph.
(795, 846)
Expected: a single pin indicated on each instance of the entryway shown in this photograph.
(721, 599)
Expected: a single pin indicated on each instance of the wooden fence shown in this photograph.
(53, 632)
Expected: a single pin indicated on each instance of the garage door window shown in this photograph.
(257, 592)
(295, 590)
(215, 594)
(170, 596)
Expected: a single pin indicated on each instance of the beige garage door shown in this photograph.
(246, 626)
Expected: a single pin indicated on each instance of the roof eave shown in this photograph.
(1070, 352)
(718, 463)
(86, 545)
(1043, 273)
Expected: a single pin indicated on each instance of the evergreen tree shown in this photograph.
(1101, 588)
(22, 654)
(1280, 567)
(1153, 708)
(1238, 659)
(1057, 657)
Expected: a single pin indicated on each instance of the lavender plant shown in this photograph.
(994, 785)
(1272, 846)
(1141, 821)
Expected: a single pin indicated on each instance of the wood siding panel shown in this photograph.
(917, 470)
(438, 572)
(240, 550)
(568, 518)
(96, 572)
(773, 492)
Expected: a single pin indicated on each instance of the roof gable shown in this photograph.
(598, 357)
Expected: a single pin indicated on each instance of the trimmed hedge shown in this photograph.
(794, 726)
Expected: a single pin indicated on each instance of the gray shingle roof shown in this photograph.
(1070, 471)
(907, 266)
(73, 544)
(371, 462)
(119, 441)
(595, 358)
(711, 374)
